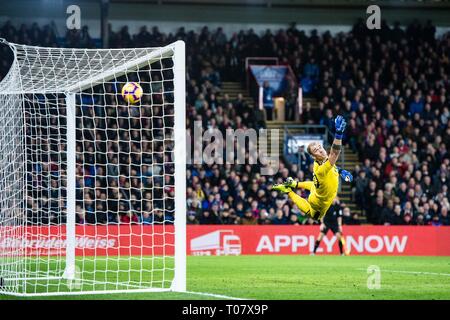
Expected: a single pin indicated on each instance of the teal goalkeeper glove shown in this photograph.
(345, 175)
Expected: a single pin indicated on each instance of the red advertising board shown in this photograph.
(227, 240)
(90, 240)
(364, 240)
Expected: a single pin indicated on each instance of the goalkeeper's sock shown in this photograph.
(307, 185)
(316, 245)
(301, 203)
(341, 247)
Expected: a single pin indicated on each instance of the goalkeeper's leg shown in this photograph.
(307, 185)
(301, 203)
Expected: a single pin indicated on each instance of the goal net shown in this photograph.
(92, 188)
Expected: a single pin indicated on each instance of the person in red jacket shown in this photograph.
(130, 217)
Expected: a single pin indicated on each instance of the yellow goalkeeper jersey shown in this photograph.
(326, 183)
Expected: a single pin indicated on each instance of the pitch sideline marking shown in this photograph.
(215, 295)
(412, 272)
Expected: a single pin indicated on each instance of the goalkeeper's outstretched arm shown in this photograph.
(335, 151)
(337, 143)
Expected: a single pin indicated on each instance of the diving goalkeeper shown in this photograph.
(323, 189)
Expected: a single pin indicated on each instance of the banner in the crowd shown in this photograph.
(294, 142)
(116, 240)
(275, 75)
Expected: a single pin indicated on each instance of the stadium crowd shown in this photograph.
(391, 84)
(393, 87)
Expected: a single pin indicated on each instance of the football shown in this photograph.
(132, 92)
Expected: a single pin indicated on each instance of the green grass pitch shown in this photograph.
(304, 277)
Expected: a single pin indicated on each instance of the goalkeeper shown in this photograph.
(323, 189)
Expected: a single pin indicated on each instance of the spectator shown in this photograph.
(355, 219)
(248, 218)
(304, 159)
(397, 218)
(279, 218)
(145, 218)
(387, 213)
(416, 106)
(436, 221)
(192, 219)
(263, 217)
(159, 217)
(444, 218)
(226, 218)
(293, 220)
(407, 219)
(80, 217)
(346, 216)
(129, 217)
(268, 100)
(208, 218)
(361, 185)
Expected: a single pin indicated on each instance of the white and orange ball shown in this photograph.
(132, 92)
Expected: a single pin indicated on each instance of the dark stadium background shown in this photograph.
(391, 84)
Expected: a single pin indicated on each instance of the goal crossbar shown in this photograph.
(160, 53)
(11, 87)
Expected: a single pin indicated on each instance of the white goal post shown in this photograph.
(92, 189)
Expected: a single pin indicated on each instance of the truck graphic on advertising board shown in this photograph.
(220, 242)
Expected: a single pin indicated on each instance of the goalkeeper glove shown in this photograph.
(340, 124)
(345, 175)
